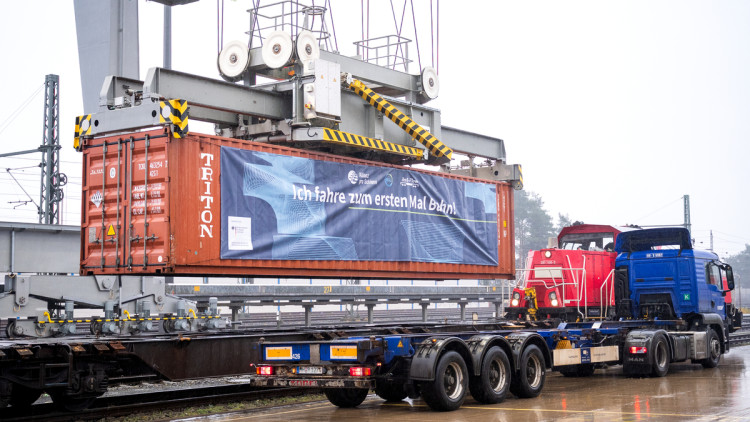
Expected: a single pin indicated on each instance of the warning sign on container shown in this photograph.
(111, 230)
(239, 234)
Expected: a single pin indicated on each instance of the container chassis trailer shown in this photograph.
(440, 362)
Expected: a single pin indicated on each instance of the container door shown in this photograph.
(124, 223)
(148, 221)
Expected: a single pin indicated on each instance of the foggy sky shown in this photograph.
(615, 109)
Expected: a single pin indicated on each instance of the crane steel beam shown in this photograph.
(402, 83)
(473, 143)
(22, 245)
(214, 95)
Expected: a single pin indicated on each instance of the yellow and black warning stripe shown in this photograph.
(69, 321)
(520, 175)
(176, 113)
(411, 127)
(83, 128)
(337, 136)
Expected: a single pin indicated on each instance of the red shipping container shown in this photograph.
(152, 204)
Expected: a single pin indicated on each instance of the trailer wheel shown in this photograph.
(661, 356)
(346, 397)
(390, 390)
(448, 390)
(491, 386)
(714, 350)
(582, 370)
(531, 374)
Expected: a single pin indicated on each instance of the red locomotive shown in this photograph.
(573, 281)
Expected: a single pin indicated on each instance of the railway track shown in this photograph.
(124, 405)
(740, 338)
(173, 399)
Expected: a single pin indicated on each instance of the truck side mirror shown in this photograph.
(730, 277)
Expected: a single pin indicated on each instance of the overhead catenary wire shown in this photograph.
(659, 209)
(35, 159)
(744, 238)
(17, 111)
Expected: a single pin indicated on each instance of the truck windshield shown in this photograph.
(588, 241)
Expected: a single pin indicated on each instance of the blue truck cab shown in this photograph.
(660, 276)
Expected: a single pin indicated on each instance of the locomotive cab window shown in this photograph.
(587, 241)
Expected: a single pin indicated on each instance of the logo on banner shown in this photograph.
(352, 176)
(389, 180)
(409, 182)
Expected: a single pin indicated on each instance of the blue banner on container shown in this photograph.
(280, 207)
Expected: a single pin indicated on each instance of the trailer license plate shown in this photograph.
(344, 352)
(310, 370)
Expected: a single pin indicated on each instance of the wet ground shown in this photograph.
(688, 392)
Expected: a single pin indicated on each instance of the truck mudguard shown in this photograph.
(518, 342)
(479, 344)
(426, 357)
(642, 363)
(712, 319)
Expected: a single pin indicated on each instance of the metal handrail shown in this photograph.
(581, 286)
(602, 307)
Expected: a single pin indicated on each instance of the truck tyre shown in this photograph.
(448, 390)
(714, 350)
(346, 397)
(661, 356)
(531, 374)
(491, 386)
(582, 370)
(390, 390)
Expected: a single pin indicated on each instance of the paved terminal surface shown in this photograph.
(688, 392)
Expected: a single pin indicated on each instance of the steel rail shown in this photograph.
(128, 405)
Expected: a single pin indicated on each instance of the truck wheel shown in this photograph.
(531, 374)
(346, 397)
(448, 390)
(582, 370)
(661, 356)
(714, 350)
(492, 384)
(390, 390)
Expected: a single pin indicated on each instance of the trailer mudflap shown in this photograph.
(518, 342)
(425, 359)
